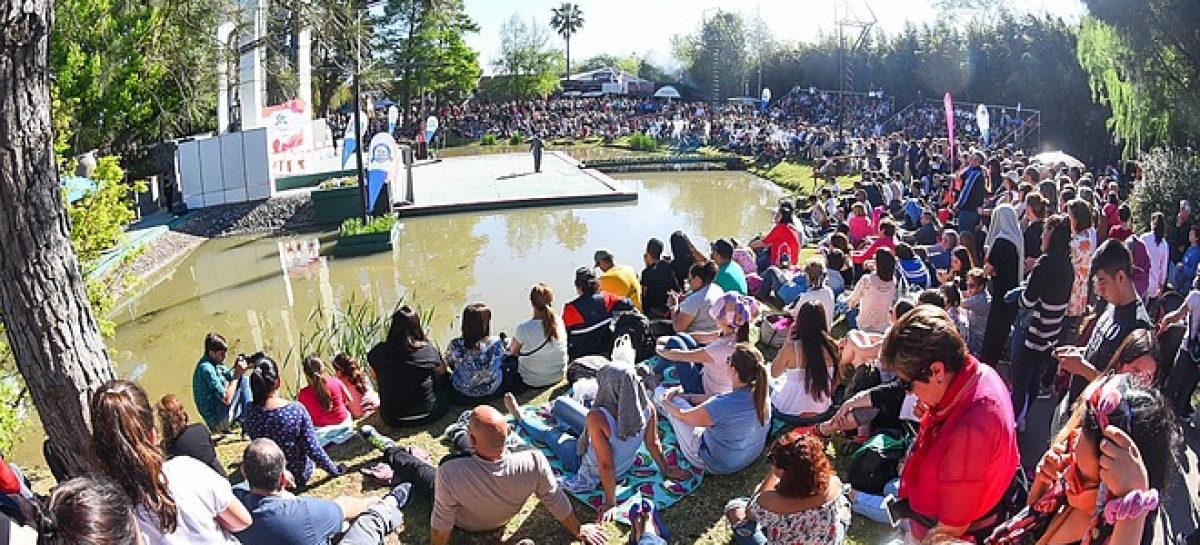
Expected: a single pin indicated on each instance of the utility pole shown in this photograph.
(358, 127)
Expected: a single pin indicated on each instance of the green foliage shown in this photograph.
(355, 226)
(566, 20)
(514, 140)
(1169, 174)
(424, 43)
(488, 140)
(335, 183)
(129, 73)
(639, 141)
(527, 66)
(99, 219)
(1141, 58)
(716, 56)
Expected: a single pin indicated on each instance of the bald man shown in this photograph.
(482, 491)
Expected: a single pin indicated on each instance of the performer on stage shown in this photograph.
(536, 145)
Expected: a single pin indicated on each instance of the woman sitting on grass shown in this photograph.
(182, 439)
(601, 445)
(800, 502)
(325, 398)
(364, 400)
(808, 359)
(476, 358)
(723, 433)
(701, 359)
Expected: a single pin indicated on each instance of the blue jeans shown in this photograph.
(241, 399)
(563, 440)
(762, 259)
(775, 282)
(1026, 366)
(747, 531)
(967, 220)
(871, 506)
(689, 373)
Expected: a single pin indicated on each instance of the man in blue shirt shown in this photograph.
(972, 195)
(280, 518)
(221, 393)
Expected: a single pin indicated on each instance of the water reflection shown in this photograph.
(261, 292)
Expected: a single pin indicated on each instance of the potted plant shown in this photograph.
(361, 238)
(336, 200)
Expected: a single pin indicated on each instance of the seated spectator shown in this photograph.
(410, 372)
(618, 280)
(590, 317)
(364, 400)
(874, 294)
(838, 271)
(730, 275)
(221, 393)
(960, 264)
(965, 455)
(684, 254)
(959, 315)
(182, 439)
(701, 358)
(1118, 448)
(818, 290)
(540, 344)
(800, 501)
(808, 360)
(978, 304)
(860, 225)
(325, 397)
(692, 313)
(927, 232)
(281, 518)
(860, 347)
(911, 267)
(939, 255)
(285, 422)
(179, 501)
(886, 239)
(724, 433)
(622, 416)
(783, 241)
(481, 491)
(475, 358)
(84, 510)
(658, 281)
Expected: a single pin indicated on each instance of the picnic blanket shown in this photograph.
(643, 481)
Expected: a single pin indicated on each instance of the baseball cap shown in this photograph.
(723, 247)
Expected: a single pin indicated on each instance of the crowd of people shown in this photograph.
(964, 297)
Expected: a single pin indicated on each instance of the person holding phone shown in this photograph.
(221, 393)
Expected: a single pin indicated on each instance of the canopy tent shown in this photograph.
(668, 92)
(1056, 157)
(384, 103)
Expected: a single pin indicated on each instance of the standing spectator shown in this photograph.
(1005, 261)
(221, 393)
(730, 275)
(475, 358)
(182, 439)
(540, 344)
(177, 502)
(965, 454)
(1042, 305)
(285, 422)
(1035, 215)
(1160, 258)
(974, 190)
(618, 280)
(1179, 235)
(658, 281)
(589, 317)
(1186, 270)
(1081, 259)
(1185, 373)
(412, 377)
(978, 304)
(1122, 229)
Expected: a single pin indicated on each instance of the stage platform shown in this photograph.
(507, 181)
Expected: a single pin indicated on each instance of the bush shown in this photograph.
(639, 141)
(355, 226)
(488, 140)
(514, 140)
(335, 183)
(1169, 174)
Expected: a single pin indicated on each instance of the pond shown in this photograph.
(262, 293)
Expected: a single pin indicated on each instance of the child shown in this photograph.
(977, 304)
(363, 401)
(912, 267)
(958, 315)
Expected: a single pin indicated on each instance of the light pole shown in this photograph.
(357, 88)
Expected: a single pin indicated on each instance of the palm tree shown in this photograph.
(567, 20)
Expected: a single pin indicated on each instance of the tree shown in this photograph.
(567, 19)
(528, 66)
(425, 42)
(51, 330)
(715, 57)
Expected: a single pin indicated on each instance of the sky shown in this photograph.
(645, 27)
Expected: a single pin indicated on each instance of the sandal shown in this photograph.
(379, 472)
(636, 523)
(652, 512)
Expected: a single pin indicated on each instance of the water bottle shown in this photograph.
(376, 439)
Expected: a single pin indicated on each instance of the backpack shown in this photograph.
(877, 462)
(637, 327)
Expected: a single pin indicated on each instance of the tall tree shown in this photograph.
(527, 64)
(51, 330)
(566, 20)
(716, 56)
(424, 41)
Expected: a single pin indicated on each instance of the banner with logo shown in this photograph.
(984, 120)
(383, 170)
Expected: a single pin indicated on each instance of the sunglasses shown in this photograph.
(921, 376)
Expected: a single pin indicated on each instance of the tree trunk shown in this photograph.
(568, 56)
(43, 300)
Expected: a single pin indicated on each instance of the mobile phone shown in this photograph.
(894, 507)
(864, 416)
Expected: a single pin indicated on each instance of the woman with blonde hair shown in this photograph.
(540, 344)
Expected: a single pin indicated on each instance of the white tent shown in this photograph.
(1056, 157)
(668, 92)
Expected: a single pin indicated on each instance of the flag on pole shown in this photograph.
(949, 102)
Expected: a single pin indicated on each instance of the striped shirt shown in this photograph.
(1046, 297)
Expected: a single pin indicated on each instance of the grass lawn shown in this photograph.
(796, 177)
